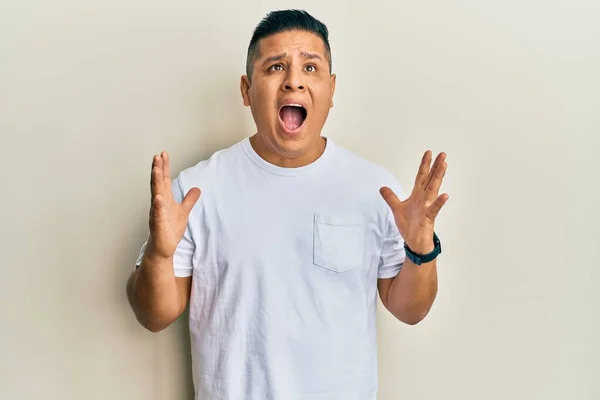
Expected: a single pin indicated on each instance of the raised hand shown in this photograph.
(416, 215)
(168, 218)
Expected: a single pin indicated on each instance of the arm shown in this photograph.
(156, 296)
(410, 294)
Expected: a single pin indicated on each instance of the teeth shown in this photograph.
(294, 105)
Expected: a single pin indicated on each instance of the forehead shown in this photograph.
(289, 41)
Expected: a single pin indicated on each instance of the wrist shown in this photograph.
(424, 251)
(153, 258)
(421, 245)
(152, 253)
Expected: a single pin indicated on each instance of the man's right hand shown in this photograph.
(168, 218)
(156, 296)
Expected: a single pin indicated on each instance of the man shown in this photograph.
(282, 257)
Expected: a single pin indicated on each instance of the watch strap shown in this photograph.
(419, 259)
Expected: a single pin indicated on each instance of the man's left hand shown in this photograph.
(416, 215)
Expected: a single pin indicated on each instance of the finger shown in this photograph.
(156, 182)
(433, 210)
(158, 206)
(390, 197)
(190, 199)
(421, 178)
(167, 174)
(438, 161)
(157, 161)
(436, 182)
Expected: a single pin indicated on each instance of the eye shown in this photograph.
(311, 68)
(276, 67)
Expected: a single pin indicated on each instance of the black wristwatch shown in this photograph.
(419, 259)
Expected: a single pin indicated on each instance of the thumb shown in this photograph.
(390, 197)
(190, 199)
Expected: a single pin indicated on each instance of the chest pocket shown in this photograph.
(338, 242)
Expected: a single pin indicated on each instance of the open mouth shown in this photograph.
(292, 116)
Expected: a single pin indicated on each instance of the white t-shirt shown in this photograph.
(285, 264)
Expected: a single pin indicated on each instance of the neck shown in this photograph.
(271, 155)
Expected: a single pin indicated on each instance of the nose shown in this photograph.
(293, 81)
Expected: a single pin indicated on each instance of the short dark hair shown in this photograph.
(282, 21)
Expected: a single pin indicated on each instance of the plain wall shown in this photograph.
(89, 91)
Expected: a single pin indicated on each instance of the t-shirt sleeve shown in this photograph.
(392, 252)
(183, 257)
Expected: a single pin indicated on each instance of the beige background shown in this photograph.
(89, 91)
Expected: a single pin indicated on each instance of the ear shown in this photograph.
(332, 85)
(244, 89)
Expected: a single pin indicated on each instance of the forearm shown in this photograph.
(153, 294)
(413, 291)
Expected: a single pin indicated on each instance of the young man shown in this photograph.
(282, 256)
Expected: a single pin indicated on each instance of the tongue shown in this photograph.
(291, 117)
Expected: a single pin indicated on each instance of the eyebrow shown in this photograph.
(274, 58)
(310, 56)
(278, 57)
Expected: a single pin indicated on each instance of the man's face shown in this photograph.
(290, 93)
